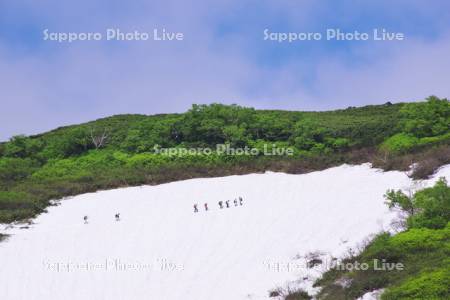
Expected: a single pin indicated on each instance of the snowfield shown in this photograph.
(162, 250)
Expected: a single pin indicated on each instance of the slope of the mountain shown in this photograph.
(131, 150)
(161, 249)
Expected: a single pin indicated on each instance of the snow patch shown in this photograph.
(161, 249)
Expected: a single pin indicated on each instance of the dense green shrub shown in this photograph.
(423, 249)
(400, 143)
(16, 169)
(427, 208)
(421, 124)
(18, 205)
(432, 285)
(431, 118)
(422, 239)
(21, 146)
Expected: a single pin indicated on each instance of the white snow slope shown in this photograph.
(162, 250)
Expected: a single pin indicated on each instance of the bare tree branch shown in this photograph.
(99, 140)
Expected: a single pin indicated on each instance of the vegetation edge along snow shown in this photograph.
(120, 151)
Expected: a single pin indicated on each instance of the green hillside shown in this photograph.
(127, 150)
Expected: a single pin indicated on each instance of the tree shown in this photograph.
(431, 118)
(146, 134)
(397, 199)
(72, 142)
(308, 134)
(98, 138)
(235, 135)
(22, 146)
(271, 126)
(433, 205)
(204, 124)
(429, 207)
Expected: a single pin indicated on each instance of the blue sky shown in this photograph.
(223, 57)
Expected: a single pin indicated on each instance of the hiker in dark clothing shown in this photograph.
(227, 203)
(195, 208)
(206, 206)
(235, 202)
(118, 217)
(240, 200)
(85, 219)
(221, 204)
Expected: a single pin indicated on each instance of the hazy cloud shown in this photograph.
(222, 59)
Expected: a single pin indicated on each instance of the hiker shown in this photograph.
(85, 219)
(240, 200)
(195, 208)
(118, 217)
(206, 206)
(221, 204)
(235, 202)
(227, 203)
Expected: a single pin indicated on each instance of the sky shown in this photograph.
(223, 57)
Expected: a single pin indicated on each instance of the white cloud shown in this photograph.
(63, 84)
